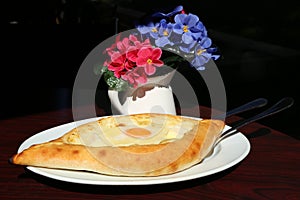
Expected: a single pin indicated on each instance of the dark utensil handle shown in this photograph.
(279, 106)
(248, 106)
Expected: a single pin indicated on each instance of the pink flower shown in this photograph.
(139, 44)
(135, 47)
(148, 58)
(110, 50)
(135, 76)
(123, 45)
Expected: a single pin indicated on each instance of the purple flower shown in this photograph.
(164, 33)
(181, 33)
(186, 48)
(199, 31)
(186, 25)
(203, 53)
(170, 14)
(151, 29)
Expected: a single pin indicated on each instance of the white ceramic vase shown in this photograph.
(155, 100)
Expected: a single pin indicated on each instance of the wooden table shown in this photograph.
(270, 171)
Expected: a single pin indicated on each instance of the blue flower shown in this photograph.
(200, 29)
(163, 15)
(150, 29)
(186, 48)
(186, 25)
(203, 53)
(164, 33)
(181, 33)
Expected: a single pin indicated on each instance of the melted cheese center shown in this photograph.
(141, 130)
(138, 132)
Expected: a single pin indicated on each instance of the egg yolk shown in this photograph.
(138, 132)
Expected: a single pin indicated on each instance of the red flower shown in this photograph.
(148, 58)
(119, 64)
(132, 60)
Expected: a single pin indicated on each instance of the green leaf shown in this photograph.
(173, 60)
(114, 82)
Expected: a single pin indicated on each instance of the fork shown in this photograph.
(281, 105)
(245, 107)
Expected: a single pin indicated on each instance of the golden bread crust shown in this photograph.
(69, 152)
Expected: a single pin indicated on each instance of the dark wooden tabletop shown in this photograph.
(270, 171)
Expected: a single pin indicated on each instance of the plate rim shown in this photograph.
(164, 179)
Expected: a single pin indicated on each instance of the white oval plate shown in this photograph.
(228, 153)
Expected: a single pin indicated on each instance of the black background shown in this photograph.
(259, 42)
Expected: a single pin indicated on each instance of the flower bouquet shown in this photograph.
(163, 39)
(149, 55)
